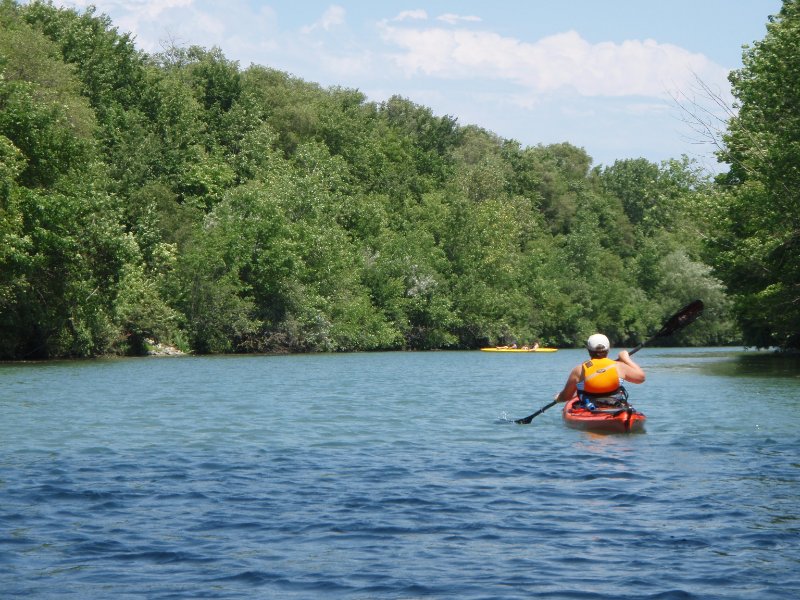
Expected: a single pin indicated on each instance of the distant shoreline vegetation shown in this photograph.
(179, 200)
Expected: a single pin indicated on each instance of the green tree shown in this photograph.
(207, 290)
(41, 108)
(562, 172)
(681, 281)
(140, 309)
(757, 243)
(107, 62)
(68, 256)
(176, 196)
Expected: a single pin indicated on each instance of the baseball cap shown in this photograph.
(598, 343)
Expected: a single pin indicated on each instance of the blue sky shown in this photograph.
(609, 76)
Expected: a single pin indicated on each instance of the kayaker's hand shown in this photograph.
(631, 372)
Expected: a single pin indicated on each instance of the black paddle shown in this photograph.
(688, 314)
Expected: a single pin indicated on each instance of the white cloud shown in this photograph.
(646, 108)
(575, 112)
(452, 19)
(455, 64)
(138, 16)
(557, 62)
(345, 65)
(411, 15)
(331, 18)
(144, 9)
(233, 26)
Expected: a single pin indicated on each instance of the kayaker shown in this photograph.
(600, 378)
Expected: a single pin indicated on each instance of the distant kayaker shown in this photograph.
(600, 378)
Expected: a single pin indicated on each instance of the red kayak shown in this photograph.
(603, 420)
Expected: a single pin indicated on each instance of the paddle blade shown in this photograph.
(688, 314)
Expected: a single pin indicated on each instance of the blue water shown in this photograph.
(395, 475)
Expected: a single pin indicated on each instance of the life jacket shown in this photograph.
(600, 376)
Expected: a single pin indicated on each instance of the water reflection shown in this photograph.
(758, 364)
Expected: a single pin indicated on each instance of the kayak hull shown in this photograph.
(615, 420)
(519, 349)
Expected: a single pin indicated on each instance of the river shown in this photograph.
(396, 475)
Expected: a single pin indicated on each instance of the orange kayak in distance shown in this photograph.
(605, 420)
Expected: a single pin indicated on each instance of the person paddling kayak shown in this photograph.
(599, 379)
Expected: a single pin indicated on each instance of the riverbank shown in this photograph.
(155, 348)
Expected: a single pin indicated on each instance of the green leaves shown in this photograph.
(756, 251)
(178, 197)
(139, 308)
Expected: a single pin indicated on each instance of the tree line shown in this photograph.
(181, 199)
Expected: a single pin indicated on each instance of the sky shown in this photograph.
(619, 78)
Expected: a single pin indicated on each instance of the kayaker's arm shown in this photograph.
(630, 371)
(571, 386)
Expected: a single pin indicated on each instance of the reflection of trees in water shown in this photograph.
(778, 364)
(759, 364)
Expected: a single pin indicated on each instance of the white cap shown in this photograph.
(598, 343)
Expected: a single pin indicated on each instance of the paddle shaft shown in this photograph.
(679, 320)
(530, 418)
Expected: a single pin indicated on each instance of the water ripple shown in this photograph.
(237, 496)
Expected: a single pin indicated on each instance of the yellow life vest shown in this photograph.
(600, 376)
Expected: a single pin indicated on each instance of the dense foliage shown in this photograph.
(181, 199)
(756, 247)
